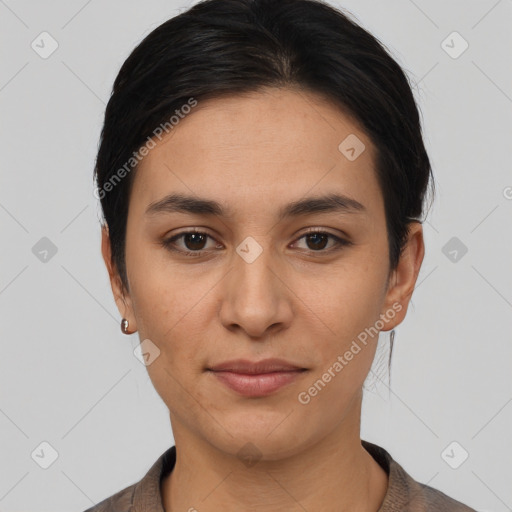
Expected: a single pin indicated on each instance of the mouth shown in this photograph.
(256, 379)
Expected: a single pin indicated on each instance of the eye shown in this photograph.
(193, 240)
(318, 239)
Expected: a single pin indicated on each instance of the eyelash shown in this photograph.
(168, 243)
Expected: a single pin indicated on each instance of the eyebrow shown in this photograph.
(330, 203)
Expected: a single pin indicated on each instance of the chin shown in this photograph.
(262, 436)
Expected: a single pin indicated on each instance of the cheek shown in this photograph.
(347, 306)
(168, 312)
(162, 293)
(350, 307)
(347, 299)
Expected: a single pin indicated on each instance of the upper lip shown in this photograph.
(255, 367)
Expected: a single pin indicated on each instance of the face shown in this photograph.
(263, 276)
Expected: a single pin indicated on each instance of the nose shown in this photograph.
(256, 298)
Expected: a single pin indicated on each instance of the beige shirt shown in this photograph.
(403, 494)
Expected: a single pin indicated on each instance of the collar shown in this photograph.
(403, 493)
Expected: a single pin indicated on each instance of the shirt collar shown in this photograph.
(401, 490)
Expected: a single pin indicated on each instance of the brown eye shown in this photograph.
(316, 241)
(193, 243)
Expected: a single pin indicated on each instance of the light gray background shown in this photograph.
(68, 375)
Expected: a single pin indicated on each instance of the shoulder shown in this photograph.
(438, 501)
(418, 497)
(121, 501)
(144, 494)
(405, 494)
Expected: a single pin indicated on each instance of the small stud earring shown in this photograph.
(124, 326)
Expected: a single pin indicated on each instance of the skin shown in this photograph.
(296, 301)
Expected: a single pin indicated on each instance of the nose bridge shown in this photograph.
(254, 270)
(256, 298)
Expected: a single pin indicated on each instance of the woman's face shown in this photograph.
(255, 287)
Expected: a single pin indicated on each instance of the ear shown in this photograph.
(403, 279)
(121, 295)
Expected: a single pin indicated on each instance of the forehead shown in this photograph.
(260, 146)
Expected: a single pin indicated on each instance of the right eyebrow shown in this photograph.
(186, 204)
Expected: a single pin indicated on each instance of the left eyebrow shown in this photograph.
(201, 206)
(331, 203)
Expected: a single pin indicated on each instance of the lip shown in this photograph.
(256, 379)
(255, 367)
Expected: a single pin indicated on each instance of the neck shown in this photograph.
(335, 474)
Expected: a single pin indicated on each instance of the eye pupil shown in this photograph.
(315, 237)
(195, 239)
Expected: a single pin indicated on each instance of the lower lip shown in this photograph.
(256, 385)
